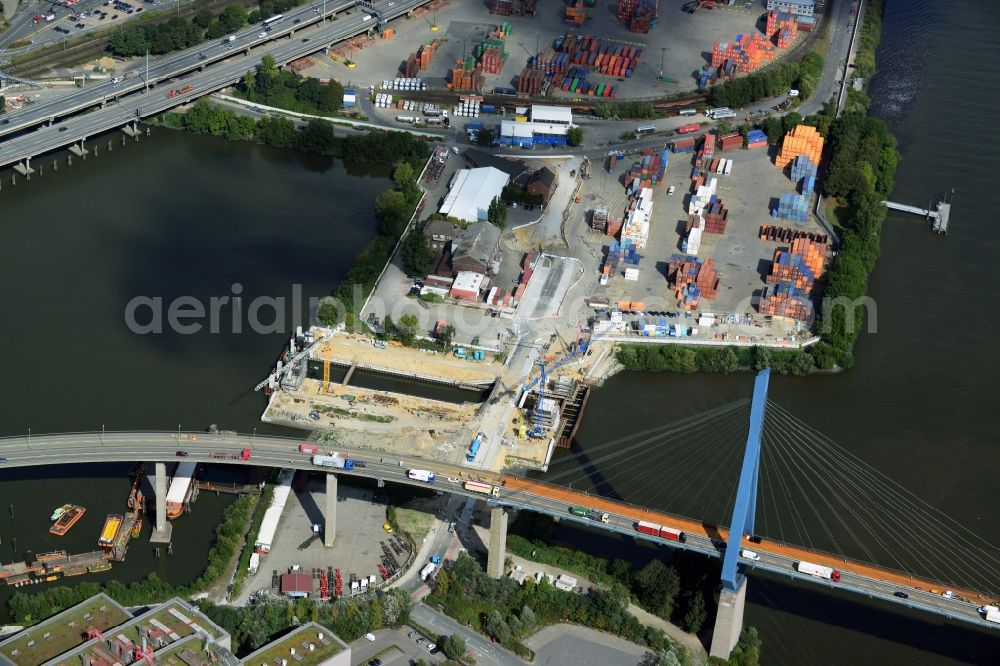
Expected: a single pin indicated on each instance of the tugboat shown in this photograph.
(60, 511)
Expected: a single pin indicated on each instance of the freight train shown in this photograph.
(652, 529)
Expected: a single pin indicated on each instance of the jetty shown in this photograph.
(939, 215)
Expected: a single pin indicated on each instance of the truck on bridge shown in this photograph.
(592, 514)
(818, 570)
(333, 461)
(420, 475)
(225, 455)
(652, 529)
(991, 613)
(479, 487)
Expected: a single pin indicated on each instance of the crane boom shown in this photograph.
(293, 361)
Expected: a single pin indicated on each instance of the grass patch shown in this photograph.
(414, 522)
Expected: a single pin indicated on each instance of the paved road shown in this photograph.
(282, 452)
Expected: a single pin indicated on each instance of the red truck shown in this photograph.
(652, 529)
(687, 129)
(222, 455)
(311, 449)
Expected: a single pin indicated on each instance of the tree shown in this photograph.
(277, 132)
(415, 253)
(393, 212)
(497, 627)
(330, 312)
(658, 586)
(446, 335)
(696, 614)
(747, 649)
(318, 137)
(621, 570)
(497, 213)
(405, 177)
(234, 17)
(454, 647)
(574, 135)
(202, 19)
(129, 42)
(407, 329)
(486, 136)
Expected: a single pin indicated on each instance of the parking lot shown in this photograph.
(395, 647)
(357, 548)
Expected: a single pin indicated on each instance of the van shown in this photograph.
(370, 637)
(749, 555)
(367, 17)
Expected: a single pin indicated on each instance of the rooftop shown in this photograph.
(279, 653)
(511, 167)
(551, 114)
(62, 632)
(479, 241)
(471, 192)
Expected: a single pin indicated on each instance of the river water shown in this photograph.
(915, 405)
(172, 216)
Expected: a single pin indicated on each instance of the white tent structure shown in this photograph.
(471, 192)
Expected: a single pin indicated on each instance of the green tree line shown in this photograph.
(771, 82)
(286, 89)
(30, 607)
(678, 358)
(350, 619)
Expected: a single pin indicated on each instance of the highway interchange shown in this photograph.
(270, 451)
(127, 100)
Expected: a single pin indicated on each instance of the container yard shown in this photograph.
(467, 39)
(712, 250)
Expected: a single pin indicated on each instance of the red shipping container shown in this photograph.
(648, 528)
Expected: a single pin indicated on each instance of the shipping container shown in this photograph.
(485, 488)
(420, 475)
(818, 570)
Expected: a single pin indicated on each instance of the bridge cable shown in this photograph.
(917, 516)
(924, 517)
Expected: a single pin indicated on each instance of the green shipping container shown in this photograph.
(600, 90)
(573, 86)
(578, 511)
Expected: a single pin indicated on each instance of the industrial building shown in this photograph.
(547, 124)
(478, 250)
(797, 7)
(471, 191)
(101, 632)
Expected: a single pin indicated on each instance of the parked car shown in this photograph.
(182, 454)
(901, 595)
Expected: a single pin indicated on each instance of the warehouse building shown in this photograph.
(478, 250)
(797, 7)
(548, 124)
(471, 192)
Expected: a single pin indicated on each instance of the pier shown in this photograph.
(228, 488)
(939, 216)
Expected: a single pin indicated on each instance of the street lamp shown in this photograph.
(663, 54)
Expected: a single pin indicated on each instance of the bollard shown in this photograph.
(109, 145)
(123, 140)
(41, 170)
(55, 165)
(69, 160)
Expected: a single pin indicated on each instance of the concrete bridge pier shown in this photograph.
(728, 621)
(162, 528)
(330, 528)
(498, 543)
(24, 168)
(78, 149)
(130, 129)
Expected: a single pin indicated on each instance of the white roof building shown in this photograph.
(471, 192)
(559, 115)
(799, 7)
(516, 129)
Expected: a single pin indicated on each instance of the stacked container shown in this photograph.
(756, 139)
(804, 174)
(636, 227)
(743, 55)
(383, 100)
(466, 77)
(802, 140)
(782, 28)
(716, 216)
(792, 207)
(575, 14)
(791, 268)
(683, 145)
(785, 300)
(731, 142)
(785, 235)
(530, 81)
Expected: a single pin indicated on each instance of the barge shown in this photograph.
(67, 520)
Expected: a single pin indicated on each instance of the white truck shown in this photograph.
(818, 570)
(991, 613)
(420, 475)
(427, 571)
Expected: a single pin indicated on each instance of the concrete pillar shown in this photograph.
(728, 621)
(330, 528)
(498, 543)
(161, 527)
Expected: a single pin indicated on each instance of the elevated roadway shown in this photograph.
(775, 557)
(207, 68)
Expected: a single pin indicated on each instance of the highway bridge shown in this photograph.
(280, 452)
(206, 68)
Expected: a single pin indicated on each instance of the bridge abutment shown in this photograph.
(728, 621)
(330, 515)
(79, 149)
(24, 168)
(162, 528)
(498, 543)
